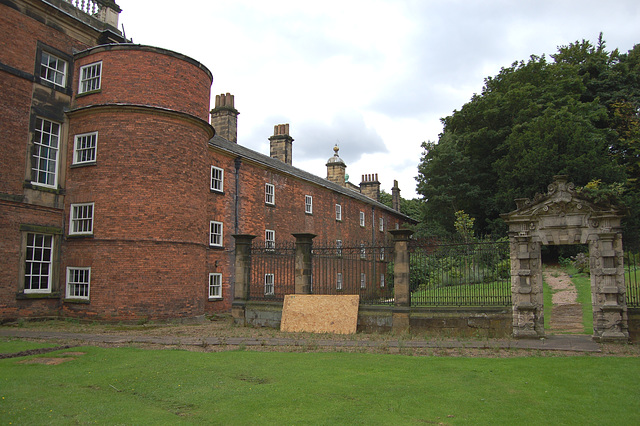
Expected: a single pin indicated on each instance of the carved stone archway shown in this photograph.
(562, 217)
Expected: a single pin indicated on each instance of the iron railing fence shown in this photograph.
(362, 269)
(631, 278)
(476, 273)
(272, 271)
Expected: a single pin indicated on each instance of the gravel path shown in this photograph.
(566, 313)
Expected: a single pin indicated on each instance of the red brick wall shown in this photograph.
(19, 35)
(19, 38)
(15, 103)
(286, 217)
(150, 187)
(12, 215)
(147, 76)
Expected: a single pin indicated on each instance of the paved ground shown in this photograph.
(573, 343)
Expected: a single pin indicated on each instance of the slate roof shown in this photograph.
(232, 148)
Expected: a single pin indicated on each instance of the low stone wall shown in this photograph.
(442, 322)
(634, 324)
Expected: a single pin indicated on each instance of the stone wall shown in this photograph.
(436, 322)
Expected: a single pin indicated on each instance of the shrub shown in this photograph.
(581, 262)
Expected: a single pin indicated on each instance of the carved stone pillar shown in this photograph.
(610, 322)
(526, 287)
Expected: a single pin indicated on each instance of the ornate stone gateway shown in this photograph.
(563, 217)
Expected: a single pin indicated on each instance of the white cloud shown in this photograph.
(375, 76)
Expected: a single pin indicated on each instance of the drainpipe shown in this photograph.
(236, 200)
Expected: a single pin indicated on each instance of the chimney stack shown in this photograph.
(336, 168)
(395, 196)
(281, 143)
(224, 118)
(370, 186)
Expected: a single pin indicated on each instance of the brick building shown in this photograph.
(120, 190)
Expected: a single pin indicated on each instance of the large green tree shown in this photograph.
(576, 114)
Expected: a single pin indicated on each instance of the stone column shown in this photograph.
(303, 271)
(401, 286)
(243, 276)
(610, 322)
(526, 286)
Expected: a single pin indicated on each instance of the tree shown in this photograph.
(574, 115)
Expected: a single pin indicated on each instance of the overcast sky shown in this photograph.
(373, 76)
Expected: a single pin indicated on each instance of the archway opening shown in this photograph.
(567, 289)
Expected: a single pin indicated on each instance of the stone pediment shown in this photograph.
(561, 216)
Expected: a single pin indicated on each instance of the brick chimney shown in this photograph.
(370, 186)
(336, 168)
(281, 143)
(224, 118)
(395, 196)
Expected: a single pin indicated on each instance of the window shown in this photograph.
(338, 212)
(53, 69)
(339, 281)
(215, 286)
(308, 204)
(382, 253)
(44, 161)
(84, 148)
(381, 224)
(78, 281)
(362, 219)
(90, 77)
(270, 239)
(215, 234)
(363, 252)
(38, 263)
(269, 194)
(217, 179)
(363, 280)
(81, 222)
(381, 280)
(268, 284)
(339, 247)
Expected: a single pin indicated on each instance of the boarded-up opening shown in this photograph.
(320, 313)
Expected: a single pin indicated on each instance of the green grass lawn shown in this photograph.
(582, 281)
(135, 386)
(10, 345)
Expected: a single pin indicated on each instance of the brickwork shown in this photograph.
(18, 51)
(287, 215)
(14, 132)
(150, 225)
(132, 280)
(143, 75)
(12, 215)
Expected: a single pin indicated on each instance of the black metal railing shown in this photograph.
(460, 273)
(362, 269)
(272, 271)
(631, 275)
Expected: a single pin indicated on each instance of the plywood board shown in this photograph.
(316, 313)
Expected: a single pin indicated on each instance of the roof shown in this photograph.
(244, 152)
